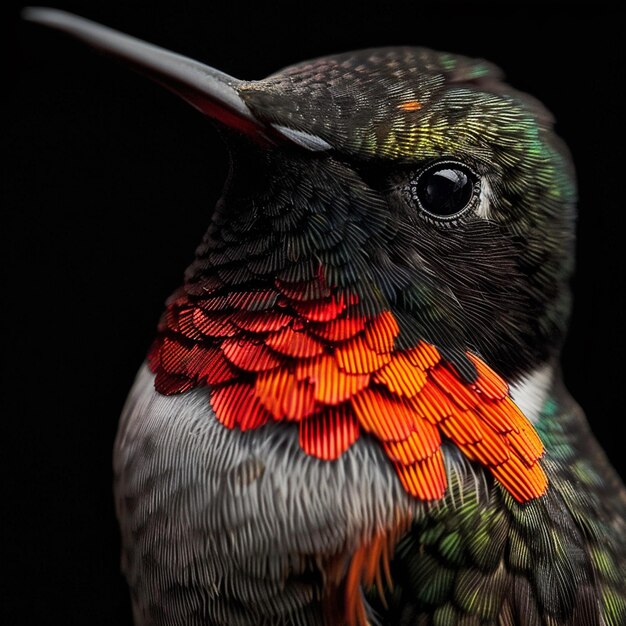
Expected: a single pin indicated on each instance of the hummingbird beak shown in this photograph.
(210, 91)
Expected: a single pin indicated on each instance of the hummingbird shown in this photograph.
(353, 413)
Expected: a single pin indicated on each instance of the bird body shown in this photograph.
(352, 412)
(221, 526)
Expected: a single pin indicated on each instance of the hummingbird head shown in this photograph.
(460, 195)
(397, 227)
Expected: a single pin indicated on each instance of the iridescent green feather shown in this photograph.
(481, 559)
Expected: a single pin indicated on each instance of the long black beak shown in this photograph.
(207, 89)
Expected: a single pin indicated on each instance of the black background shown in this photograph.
(109, 186)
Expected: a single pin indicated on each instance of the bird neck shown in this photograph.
(291, 313)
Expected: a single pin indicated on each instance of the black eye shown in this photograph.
(445, 190)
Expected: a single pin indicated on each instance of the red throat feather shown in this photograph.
(304, 355)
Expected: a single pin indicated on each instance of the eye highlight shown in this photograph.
(445, 190)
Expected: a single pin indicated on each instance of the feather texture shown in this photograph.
(351, 383)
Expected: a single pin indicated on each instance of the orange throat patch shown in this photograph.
(284, 354)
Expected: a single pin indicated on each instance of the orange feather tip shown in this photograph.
(386, 418)
(329, 434)
(522, 482)
(183, 322)
(491, 450)
(331, 385)
(236, 405)
(370, 565)
(337, 330)
(432, 403)
(419, 445)
(410, 105)
(212, 325)
(284, 396)
(451, 385)
(291, 343)
(356, 357)
(424, 355)
(500, 415)
(425, 479)
(463, 427)
(172, 384)
(249, 355)
(401, 377)
(381, 332)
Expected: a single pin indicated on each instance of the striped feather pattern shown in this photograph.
(300, 352)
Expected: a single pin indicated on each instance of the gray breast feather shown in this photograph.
(227, 527)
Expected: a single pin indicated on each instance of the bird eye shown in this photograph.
(445, 190)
